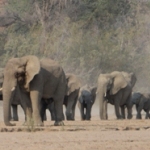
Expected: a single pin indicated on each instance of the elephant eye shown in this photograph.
(16, 75)
(21, 74)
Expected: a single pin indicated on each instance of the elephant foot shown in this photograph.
(138, 117)
(130, 117)
(59, 123)
(120, 117)
(10, 124)
(14, 119)
(25, 123)
(38, 124)
(70, 119)
(31, 123)
(103, 119)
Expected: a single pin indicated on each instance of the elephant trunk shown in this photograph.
(100, 96)
(7, 96)
(101, 103)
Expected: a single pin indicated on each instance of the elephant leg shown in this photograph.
(105, 115)
(117, 111)
(58, 109)
(45, 117)
(43, 110)
(88, 112)
(138, 116)
(52, 112)
(27, 108)
(129, 111)
(35, 100)
(15, 112)
(69, 110)
(71, 103)
(123, 111)
(81, 108)
(73, 111)
(147, 114)
(73, 108)
(139, 109)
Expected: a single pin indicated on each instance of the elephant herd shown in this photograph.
(38, 85)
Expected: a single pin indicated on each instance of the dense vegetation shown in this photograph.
(87, 37)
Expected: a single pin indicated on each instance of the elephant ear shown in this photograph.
(72, 83)
(133, 79)
(32, 68)
(119, 82)
(130, 78)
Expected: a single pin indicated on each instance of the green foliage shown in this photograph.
(87, 37)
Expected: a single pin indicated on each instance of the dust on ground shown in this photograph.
(111, 134)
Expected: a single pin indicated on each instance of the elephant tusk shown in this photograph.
(105, 94)
(1, 89)
(13, 89)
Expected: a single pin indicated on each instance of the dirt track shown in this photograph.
(78, 135)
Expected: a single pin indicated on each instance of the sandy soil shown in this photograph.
(78, 135)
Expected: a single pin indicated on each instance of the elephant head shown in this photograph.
(109, 85)
(73, 83)
(17, 72)
(135, 98)
(87, 94)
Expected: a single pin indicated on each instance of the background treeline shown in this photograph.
(87, 37)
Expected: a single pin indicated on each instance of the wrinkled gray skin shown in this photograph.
(115, 88)
(34, 80)
(15, 102)
(70, 100)
(142, 102)
(86, 100)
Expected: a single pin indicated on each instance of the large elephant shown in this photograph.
(70, 100)
(86, 100)
(115, 88)
(142, 102)
(34, 80)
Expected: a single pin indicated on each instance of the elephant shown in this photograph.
(86, 100)
(115, 88)
(34, 79)
(142, 102)
(70, 99)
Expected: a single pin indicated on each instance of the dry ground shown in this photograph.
(78, 135)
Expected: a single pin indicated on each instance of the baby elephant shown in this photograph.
(86, 99)
(142, 101)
